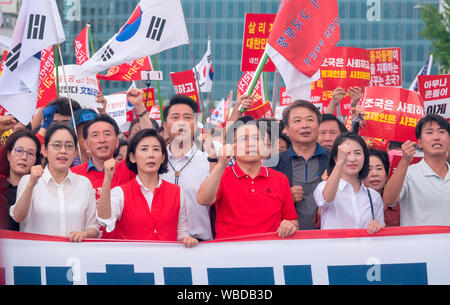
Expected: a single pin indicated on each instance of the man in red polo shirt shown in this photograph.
(249, 197)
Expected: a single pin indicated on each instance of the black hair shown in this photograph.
(122, 142)
(245, 120)
(9, 145)
(286, 139)
(432, 117)
(144, 133)
(395, 145)
(101, 118)
(180, 99)
(364, 172)
(266, 127)
(303, 104)
(63, 106)
(54, 128)
(134, 122)
(332, 117)
(383, 156)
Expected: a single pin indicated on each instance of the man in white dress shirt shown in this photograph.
(188, 164)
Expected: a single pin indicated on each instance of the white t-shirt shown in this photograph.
(349, 210)
(425, 197)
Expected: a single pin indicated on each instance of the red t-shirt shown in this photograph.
(249, 206)
(121, 176)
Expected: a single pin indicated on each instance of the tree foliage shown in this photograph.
(437, 29)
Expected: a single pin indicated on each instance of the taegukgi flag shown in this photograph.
(154, 26)
(205, 72)
(38, 27)
(303, 33)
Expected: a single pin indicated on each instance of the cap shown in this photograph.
(84, 115)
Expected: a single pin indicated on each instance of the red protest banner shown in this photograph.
(396, 160)
(47, 85)
(260, 107)
(184, 84)
(435, 92)
(391, 113)
(304, 32)
(285, 100)
(81, 46)
(2, 61)
(385, 67)
(149, 101)
(344, 67)
(128, 71)
(256, 32)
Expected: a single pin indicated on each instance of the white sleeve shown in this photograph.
(90, 220)
(378, 207)
(117, 203)
(318, 196)
(20, 189)
(182, 230)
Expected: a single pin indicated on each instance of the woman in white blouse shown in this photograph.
(55, 201)
(343, 199)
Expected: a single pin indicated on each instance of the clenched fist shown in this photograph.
(408, 150)
(297, 193)
(110, 168)
(36, 173)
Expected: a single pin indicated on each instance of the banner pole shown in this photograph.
(70, 102)
(259, 68)
(55, 59)
(91, 41)
(275, 93)
(155, 63)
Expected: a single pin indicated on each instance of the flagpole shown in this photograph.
(155, 63)
(70, 102)
(196, 82)
(91, 41)
(275, 93)
(259, 68)
(55, 59)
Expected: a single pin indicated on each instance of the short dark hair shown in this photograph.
(304, 104)
(122, 142)
(134, 122)
(144, 133)
(54, 128)
(9, 145)
(364, 172)
(180, 99)
(383, 156)
(245, 120)
(63, 105)
(101, 118)
(332, 117)
(286, 139)
(395, 145)
(266, 127)
(432, 117)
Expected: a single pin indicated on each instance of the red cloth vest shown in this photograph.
(139, 223)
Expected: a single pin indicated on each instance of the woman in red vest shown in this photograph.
(146, 208)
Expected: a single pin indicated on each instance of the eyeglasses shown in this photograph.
(19, 151)
(58, 145)
(247, 139)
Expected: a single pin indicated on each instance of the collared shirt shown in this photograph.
(118, 202)
(59, 209)
(349, 210)
(191, 177)
(91, 166)
(246, 205)
(308, 174)
(425, 197)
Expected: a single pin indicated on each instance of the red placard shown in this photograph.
(435, 92)
(396, 160)
(285, 100)
(128, 71)
(305, 31)
(81, 46)
(260, 107)
(385, 67)
(184, 84)
(256, 32)
(47, 85)
(149, 101)
(344, 67)
(391, 113)
(2, 61)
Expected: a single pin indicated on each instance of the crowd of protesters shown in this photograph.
(84, 178)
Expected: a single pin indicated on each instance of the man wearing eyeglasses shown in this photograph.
(249, 197)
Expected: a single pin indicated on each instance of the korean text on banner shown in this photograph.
(184, 84)
(80, 87)
(385, 67)
(47, 85)
(82, 47)
(260, 108)
(344, 67)
(128, 71)
(435, 92)
(116, 106)
(256, 33)
(391, 113)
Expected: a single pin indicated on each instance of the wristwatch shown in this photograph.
(213, 160)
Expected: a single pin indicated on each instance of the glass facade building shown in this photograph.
(364, 23)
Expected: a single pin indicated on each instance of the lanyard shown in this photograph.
(177, 173)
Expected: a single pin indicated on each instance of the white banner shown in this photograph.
(410, 255)
(116, 107)
(81, 88)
